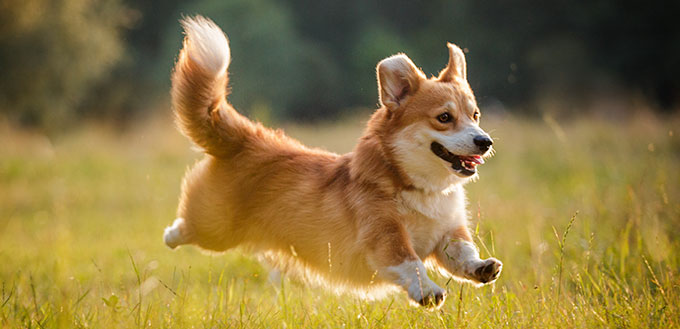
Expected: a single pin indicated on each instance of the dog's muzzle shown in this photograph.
(465, 165)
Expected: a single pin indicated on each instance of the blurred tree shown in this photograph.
(139, 81)
(312, 59)
(271, 64)
(52, 52)
(637, 44)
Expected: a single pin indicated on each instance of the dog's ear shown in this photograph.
(456, 67)
(398, 78)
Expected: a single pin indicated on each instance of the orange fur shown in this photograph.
(366, 212)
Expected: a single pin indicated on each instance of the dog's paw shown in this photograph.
(433, 300)
(428, 295)
(487, 271)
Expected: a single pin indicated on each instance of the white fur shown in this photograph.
(173, 234)
(465, 254)
(206, 44)
(412, 276)
(426, 170)
(460, 142)
(429, 216)
(445, 206)
(463, 260)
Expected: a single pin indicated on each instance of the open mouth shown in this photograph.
(466, 165)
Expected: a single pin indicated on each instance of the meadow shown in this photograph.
(584, 213)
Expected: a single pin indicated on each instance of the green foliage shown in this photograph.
(309, 60)
(271, 64)
(82, 216)
(52, 53)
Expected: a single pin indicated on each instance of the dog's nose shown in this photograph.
(483, 142)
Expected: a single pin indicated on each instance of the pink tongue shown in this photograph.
(474, 158)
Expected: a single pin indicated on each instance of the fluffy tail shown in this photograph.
(199, 89)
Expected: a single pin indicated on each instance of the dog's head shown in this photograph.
(431, 125)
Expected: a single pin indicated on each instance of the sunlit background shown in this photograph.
(581, 201)
(66, 61)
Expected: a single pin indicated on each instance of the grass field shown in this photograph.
(585, 215)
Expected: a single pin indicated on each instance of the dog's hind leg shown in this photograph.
(177, 234)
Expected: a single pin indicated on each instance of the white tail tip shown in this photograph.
(173, 234)
(206, 44)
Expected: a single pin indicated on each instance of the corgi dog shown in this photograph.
(366, 221)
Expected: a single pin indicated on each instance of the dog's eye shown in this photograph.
(444, 117)
(476, 116)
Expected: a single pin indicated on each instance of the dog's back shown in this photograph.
(248, 191)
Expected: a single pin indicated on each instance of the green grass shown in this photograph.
(585, 215)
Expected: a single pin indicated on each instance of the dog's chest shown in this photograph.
(429, 216)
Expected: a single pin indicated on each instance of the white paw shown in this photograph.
(172, 236)
(427, 293)
(412, 276)
(486, 271)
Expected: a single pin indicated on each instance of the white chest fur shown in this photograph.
(430, 215)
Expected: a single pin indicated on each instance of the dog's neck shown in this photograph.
(374, 161)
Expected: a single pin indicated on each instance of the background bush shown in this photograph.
(52, 53)
(306, 60)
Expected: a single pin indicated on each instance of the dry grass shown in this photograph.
(81, 219)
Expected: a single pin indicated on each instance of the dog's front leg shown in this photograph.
(459, 256)
(394, 260)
